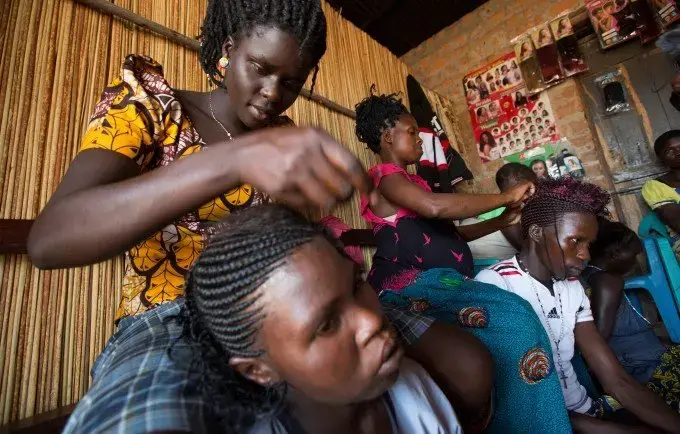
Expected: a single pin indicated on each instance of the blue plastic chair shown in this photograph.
(652, 225)
(657, 284)
(480, 264)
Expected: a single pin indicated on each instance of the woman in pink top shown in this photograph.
(413, 226)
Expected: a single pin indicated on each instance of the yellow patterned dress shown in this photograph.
(139, 117)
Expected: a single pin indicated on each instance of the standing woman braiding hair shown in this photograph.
(156, 162)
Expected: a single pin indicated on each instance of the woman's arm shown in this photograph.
(103, 206)
(482, 229)
(670, 215)
(636, 398)
(607, 292)
(402, 193)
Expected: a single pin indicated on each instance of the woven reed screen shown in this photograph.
(56, 56)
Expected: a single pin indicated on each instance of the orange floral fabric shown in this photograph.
(139, 117)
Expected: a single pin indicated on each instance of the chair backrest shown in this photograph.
(652, 225)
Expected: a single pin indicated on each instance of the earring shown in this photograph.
(223, 62)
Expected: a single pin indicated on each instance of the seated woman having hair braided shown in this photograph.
(279, 315)
(559, 223)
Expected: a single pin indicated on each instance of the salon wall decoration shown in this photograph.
(554, 160)
(613, 21)
(667, 11)
(505, 119)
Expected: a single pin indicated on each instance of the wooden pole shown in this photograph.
(125, 14)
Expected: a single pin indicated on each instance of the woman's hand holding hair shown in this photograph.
(301, 167)
(516, 196)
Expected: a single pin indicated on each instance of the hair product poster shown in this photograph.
(666, 11)
(507, 121)
(613, 21)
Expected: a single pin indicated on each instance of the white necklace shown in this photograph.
(555, 339)
(212, 112)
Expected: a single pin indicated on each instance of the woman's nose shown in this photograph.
(369, 323)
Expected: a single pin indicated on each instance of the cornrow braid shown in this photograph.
(303, 19)
(221, 315)
(554, 198)
(374, 114)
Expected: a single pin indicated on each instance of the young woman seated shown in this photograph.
(559, 222)
(413, 226)
(629, 334)
(279, 334)
(663, 194)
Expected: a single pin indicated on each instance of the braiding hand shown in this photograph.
(516, 196)
(302, 167)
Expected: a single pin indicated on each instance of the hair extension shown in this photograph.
(554, 198)
(221, 315)
(374, 114)
(513, 172)
(613, 237)
(303, 19)
(662, 141)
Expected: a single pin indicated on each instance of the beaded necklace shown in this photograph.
(556, 339)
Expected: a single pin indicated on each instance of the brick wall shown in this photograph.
(441, 62)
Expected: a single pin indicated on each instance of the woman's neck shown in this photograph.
(316, 417)
(223, 111)
(388, 158)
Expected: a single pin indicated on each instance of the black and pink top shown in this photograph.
(409, 243)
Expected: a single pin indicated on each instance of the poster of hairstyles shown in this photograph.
(613, 21)
(505, 119)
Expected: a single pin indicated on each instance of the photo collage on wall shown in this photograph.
(505, 119)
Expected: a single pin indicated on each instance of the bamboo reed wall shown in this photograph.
(56, 56)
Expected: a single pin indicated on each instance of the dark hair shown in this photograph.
(613, 237)
(303, 19)
(513, 172)
(538, 161)
(374, 114)
(492, 141)
(221, 313)
(556, 197)
(662, 141)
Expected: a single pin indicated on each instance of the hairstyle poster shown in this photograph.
(666, 11)
(551, 161)
(613, 21)
(507, 121)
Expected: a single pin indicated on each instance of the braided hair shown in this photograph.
(221, 315)
(374, 114)
(556, 197)
(303, 19)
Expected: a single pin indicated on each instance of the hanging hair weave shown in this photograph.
(303, 19)
(554, 198)
(374, 114)
(221, 315)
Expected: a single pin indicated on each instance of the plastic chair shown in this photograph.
(650, 225)
(480, 264)
(657, 284)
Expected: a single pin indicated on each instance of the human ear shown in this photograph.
(228, 47)
(536, 233)
(255, 370)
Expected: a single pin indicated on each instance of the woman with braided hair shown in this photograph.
(280, 334)
(559, 222)
(412, 225)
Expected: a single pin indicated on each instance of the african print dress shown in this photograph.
(408, 243)
(140, 118)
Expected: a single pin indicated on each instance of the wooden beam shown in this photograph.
(14, 236)
(127, 15)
